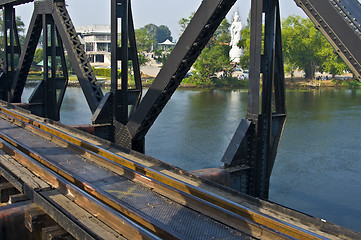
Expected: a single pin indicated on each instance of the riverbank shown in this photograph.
(301, 83)
(290, 83)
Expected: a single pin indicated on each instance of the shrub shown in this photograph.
(104, 72)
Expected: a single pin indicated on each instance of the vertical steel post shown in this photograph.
(255, 59)
(42, 91)
(123, 113)
(133, 55)
(265, 124)
(49, 46)
(7, 63)
(114, 65)
(121, 96)
(253, 148)
(248, 184)
(273, 114)
(11, 48)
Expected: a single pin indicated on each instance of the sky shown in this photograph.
(159, 12)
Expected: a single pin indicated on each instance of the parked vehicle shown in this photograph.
(245, 74)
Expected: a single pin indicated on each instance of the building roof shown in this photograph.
(93, 29)
(167, 42)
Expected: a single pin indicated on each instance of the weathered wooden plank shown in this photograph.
(56, 233)
(22, 173)
(82, 216)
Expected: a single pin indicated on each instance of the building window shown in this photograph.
(102, 47)
(99, 58)
(89, 47)
(91, 58)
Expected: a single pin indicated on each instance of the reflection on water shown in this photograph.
(196, 127)
(318, 168)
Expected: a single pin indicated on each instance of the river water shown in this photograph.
(318, 166)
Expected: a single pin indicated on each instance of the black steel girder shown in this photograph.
(65, 34)
(121, 9)
(12, 49)
(48, 96)
(201, 28)
(339, 21)
(77, 56)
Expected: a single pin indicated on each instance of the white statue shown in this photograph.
(235, 53)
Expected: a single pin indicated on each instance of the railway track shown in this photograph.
(134, 200)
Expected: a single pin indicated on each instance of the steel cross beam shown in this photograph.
(26, 58)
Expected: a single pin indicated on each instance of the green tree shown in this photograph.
(163, 33)
(215, 57)
(245, 44)
(301, 43)
(305, 48)
(183, 22)
(152, 28)
(144, 43)
(144, 39)
(331, 62)
(159, 33)
(160, 56)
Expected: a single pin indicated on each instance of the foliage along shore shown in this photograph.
(228, 83)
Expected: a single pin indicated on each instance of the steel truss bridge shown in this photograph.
(102, 186)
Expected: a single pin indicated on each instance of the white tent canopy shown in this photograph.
(167, 43)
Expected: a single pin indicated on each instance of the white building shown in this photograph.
(166, 45)
(96, 40)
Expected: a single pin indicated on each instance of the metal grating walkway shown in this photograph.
(176, 218)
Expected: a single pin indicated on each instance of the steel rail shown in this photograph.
(107, 215)
(90, 189)
(167, 183)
